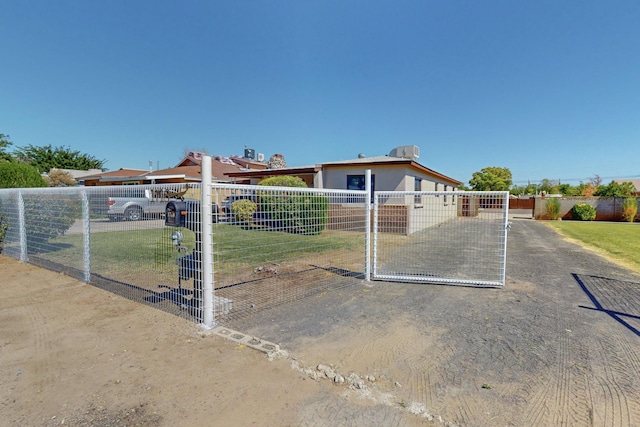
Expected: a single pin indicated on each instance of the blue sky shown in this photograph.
(549, 89)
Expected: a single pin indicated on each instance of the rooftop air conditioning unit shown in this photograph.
(406, 152)
(260, 157)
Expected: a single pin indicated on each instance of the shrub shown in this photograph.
(553, 208)
(630, 208)
(313, 213)
(295, 213)
(243, 210)
(46, 218)
(3, 229)
(583, 212)
(60, 178)
(280, 210)
(283, 181)
(19, 175)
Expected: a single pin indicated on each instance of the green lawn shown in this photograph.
(618, 240)
(233, 245)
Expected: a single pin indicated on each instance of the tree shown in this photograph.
(48, 157)
(19, 175)
(491, 179)
(595, 182)
(569, 190)
(547, 186)
(4, 144)
(615, 190)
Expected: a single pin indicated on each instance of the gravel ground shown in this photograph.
(558, 345)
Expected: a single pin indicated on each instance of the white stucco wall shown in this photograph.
(387, 178)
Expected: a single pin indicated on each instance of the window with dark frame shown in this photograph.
(358, 182)
(417, 186)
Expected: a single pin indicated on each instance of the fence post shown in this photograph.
(207, 245)
(367, 226)
(86, 233)
(22, 229)
(505, 227)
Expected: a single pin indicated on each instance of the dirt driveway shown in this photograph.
(559, 345)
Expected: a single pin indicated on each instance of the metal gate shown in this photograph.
(448, 237)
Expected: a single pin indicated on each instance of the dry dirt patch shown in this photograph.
(72, 354)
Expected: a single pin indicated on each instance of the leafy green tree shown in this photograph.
(569, 190)
(48, 157)
(491, 179)
(547, 186)
(19, 175)
(4, 144)
(615, 189)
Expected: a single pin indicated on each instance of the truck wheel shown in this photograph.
(133, 214)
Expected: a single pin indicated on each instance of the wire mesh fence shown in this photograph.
(441, 237)
(274, 245)
(258, 247)
(269, 245)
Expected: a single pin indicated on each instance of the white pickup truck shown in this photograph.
(135, 208)
(132, 208)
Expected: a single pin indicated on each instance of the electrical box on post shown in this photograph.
(175, 214)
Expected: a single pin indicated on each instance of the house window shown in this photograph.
(417, 186)
(445, 196)
(357, 182)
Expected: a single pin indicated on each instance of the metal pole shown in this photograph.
(86, 231)
(22, 229)
(367, 226)
(206, 228)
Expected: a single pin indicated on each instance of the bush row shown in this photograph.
(586, 212)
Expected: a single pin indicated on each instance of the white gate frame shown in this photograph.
(505, 225)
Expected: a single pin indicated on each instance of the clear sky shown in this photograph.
(549, 89)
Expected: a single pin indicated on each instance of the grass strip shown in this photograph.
(618, 240)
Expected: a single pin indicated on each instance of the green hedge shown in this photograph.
(314, 213)
(46, 218)
(294, 213)
(19, 175)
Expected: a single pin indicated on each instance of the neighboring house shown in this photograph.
(187, 170)
(117, 177)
